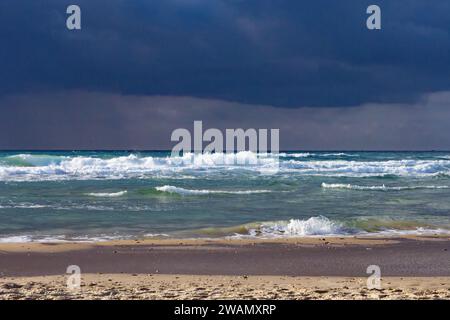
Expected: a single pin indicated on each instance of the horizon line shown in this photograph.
(169, 150)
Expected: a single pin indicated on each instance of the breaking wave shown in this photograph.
(28, 167)
(293, 228)
(299, 228)
(314, 226)
(33, 167)
(322, 226)
(309, 154)
(295, 155)
(377, 188)
(62, 238)
(182, 191)
(340, 168)
(107, 195)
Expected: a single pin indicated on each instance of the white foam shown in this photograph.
(338, 168)
(29, 238)
(296, 155)
(12, 205)
(15, 239)
(377, 188)
(313, 226)
(322, 226)
(107, 195)
(60, 238)
(308, 154)
(420, 231)
(182, 191)
(133, 166)
(338, 154)
(156, 235)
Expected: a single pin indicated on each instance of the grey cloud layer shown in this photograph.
(86, 120)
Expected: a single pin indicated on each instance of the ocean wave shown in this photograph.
(299, 228)
(420, 231)
(131, 166)
(33, 160)
(58, 238)
(314, 226)
(108, 195)
(11, 205)
(377, 188)
(323, 226)
(182, 191)
(42, 168)
(342, 168)
(338, 154)
(84, 206)
(295, 155)
(15, 239)
(62, 238)
(309, 154)
(29, 238)
(317, 226)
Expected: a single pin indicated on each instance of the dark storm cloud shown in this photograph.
(139, 69)
(272, 52)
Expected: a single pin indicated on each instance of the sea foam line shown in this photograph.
(183, 191)
(308, 155)
(108, 195)
(377, 188)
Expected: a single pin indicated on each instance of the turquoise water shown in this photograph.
(48, 196)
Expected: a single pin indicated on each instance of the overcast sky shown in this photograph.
(139, 69)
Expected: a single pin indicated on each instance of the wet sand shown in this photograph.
(309, 268)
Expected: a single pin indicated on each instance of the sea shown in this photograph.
(51, 196)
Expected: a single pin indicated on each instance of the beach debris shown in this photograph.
(11, 285)
(321, 291)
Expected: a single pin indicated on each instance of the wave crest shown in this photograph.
(182, 191)
(313, 226)
(35, 167)
(377, 188)
(27, 167)
(343, 168)
(108, 194)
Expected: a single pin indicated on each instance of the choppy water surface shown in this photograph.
(112, 195)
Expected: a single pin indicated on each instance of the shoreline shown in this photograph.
(321, 256)
(344, 240)
(294, 268)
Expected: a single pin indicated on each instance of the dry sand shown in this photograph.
(126, 286)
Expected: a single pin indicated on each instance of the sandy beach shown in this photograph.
(297, 268)
(187, 287)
